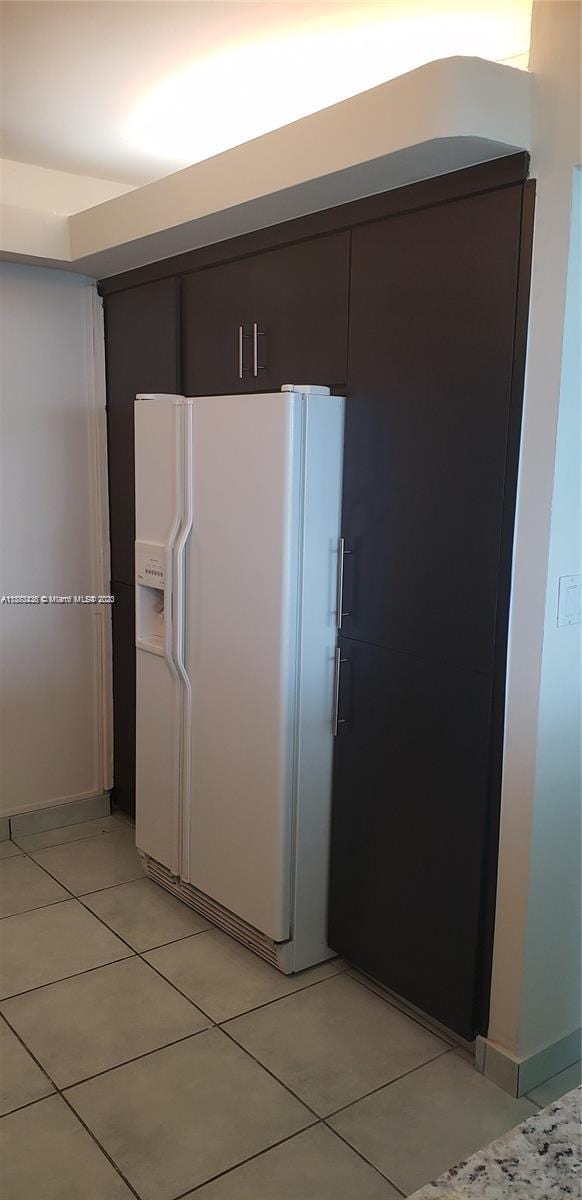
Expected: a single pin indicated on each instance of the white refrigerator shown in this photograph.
(238, 577)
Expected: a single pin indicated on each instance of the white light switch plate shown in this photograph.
(569, 599)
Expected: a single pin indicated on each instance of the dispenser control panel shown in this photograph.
(150, 564)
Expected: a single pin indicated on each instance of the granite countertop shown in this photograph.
(538, 1160)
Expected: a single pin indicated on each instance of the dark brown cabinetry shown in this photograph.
(142, 343)
(432, 314)
(142, 355)
(428, 471)
(410, 794)
(414, 304)
(123, 620)
(272, 318)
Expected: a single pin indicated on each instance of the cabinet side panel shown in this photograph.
(320, 536)
(142, 355)
(123, 639)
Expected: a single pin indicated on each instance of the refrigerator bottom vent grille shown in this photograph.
(235, 926)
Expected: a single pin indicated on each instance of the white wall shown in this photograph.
(54, 688)
(553, 940)
(535, 997)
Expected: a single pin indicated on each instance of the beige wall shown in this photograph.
(35, 204)
(54, 659)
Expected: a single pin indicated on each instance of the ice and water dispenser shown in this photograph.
(150, 566)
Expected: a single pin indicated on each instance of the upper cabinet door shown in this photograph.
(142, 355)
(216, 329)
(277, 317)
(300, 307)
(432, 319)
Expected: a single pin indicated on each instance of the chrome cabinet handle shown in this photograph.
(240, 350)
(336, 719)
(256, 335)
(341, 553)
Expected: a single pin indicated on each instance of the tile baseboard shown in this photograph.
(71, 813)
(518, 1076)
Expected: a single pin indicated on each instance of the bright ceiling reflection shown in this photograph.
(252, 87)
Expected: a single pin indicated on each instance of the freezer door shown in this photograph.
(241, 649)
(159, 519)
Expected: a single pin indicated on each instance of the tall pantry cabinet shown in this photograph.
(428, 450)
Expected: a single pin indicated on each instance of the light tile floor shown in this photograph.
(146, 1054)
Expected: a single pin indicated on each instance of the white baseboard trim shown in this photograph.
(518, 1076)
(86, 808)
(33, 805)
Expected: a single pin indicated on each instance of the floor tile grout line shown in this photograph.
(247, 1012)
(59, 1092)
(281, 1082)
(118, 832)
(127, 1062)
(453, 1045)
(67, 842)
(100, 1147)
(363, 1157)
(244, 1161)
(74, 895)
(20, 1039)
(29, 1103)
(287, 996)
(111, 962)
(382, 1086)
(162, 946)
(36, 908)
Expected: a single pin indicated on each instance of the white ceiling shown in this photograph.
(132, 90)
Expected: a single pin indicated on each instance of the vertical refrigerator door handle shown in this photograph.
(169, 606)
(170, 546)
(178, 598)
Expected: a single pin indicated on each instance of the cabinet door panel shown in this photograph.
(301, 308)
(141, 344)
(298, 298)
(432, 308)
(124, 696)
(410, 788)
(216, 301)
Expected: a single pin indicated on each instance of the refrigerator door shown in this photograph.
(159, 482)
(241, 651)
